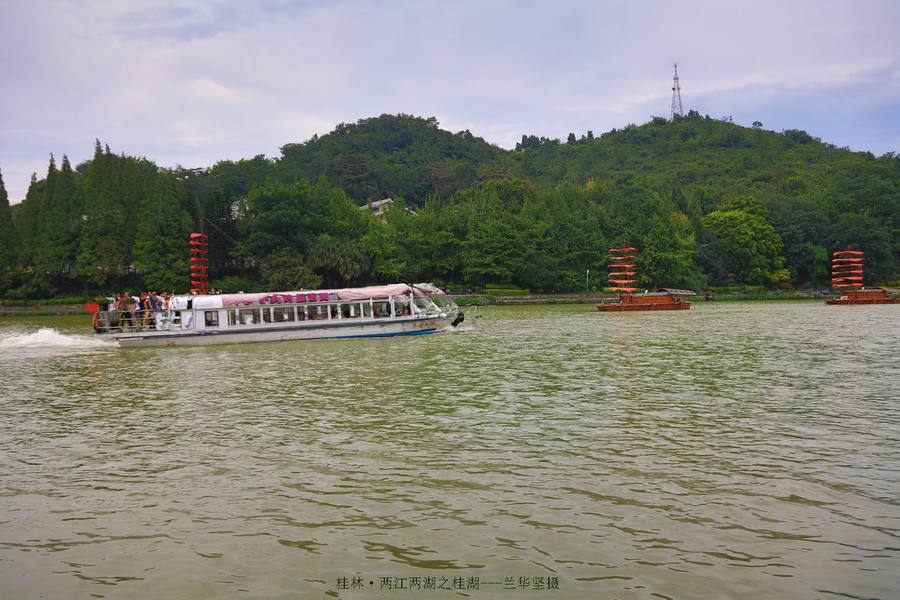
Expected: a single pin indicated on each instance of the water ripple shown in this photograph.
(737, 450)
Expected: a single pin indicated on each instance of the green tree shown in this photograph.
(667, 258)
(102, 248)
(285, 270)
(57, 241)
(804, 226)
(747, 247)
(9, 262)
(862, 232)
(341, 262)
(161, 249)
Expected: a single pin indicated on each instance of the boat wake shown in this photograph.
(464, 327)
(48, 337)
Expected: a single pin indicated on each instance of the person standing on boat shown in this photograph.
(135, 308)
(148, 309)
(127, 310)
(121, 310)
(156, 307)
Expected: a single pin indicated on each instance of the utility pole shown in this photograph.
(677, 110)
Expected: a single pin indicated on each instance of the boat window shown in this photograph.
(211, 318)
(232, 317)
(401, 306)
(301, 313)
(333, 311)
(283, 314)
(366, 309)
(350, 311)
(317, 312)
(249, 316)
(266, 315)
(382, 309)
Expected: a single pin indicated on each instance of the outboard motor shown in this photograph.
(460, 317)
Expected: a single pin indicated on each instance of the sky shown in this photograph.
(185, 82)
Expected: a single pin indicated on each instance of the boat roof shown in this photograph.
(676, 292)
(265, 298)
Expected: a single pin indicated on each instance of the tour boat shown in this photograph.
(847, 278)
(376, 311)
(621, 273)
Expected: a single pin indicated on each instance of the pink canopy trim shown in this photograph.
(346, 294)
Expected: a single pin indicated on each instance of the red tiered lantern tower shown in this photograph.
(199, 268)
(622, 272)
(622, 268)
(847, 270)
(847, 278)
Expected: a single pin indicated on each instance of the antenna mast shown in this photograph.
(677, 111)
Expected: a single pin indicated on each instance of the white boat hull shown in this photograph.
(307, 330)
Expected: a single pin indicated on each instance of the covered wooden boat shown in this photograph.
(865, 296)
(622, 271)
(663, 299)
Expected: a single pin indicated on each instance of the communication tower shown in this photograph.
(677, 111)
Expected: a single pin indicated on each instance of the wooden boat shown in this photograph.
(865, 296)
(377, 311)
(622, 272)
(663, 299)
(847, 278)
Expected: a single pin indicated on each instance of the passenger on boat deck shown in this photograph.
(155, 301)
(162, 308)
(127, 312)
(148, 309)
(120, 308)
(134, 307)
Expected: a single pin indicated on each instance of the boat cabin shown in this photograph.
(277, 309)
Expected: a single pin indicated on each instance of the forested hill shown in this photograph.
(702, 153)
(708, 202)
(390, 156)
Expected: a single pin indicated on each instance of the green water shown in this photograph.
(737, 450)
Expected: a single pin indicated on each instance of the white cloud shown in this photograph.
(193, 82)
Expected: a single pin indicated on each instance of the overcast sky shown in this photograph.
(193, 82)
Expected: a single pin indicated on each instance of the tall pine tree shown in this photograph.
(103, 248)
(8, 255)
(161, 246)
(59, 229)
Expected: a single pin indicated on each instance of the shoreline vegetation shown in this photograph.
(51, 307)
(710, 204)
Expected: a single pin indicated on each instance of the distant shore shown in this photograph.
(43, 309)
(499, 300)
(477, 300)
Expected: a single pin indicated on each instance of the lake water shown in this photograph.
(736, 450)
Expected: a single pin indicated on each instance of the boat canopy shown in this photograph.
(345, 294)
(675, 292)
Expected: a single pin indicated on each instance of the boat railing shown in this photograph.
(113, 321)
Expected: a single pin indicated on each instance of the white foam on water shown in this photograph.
(48, 337)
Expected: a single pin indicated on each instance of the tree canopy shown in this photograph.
(706, 201)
